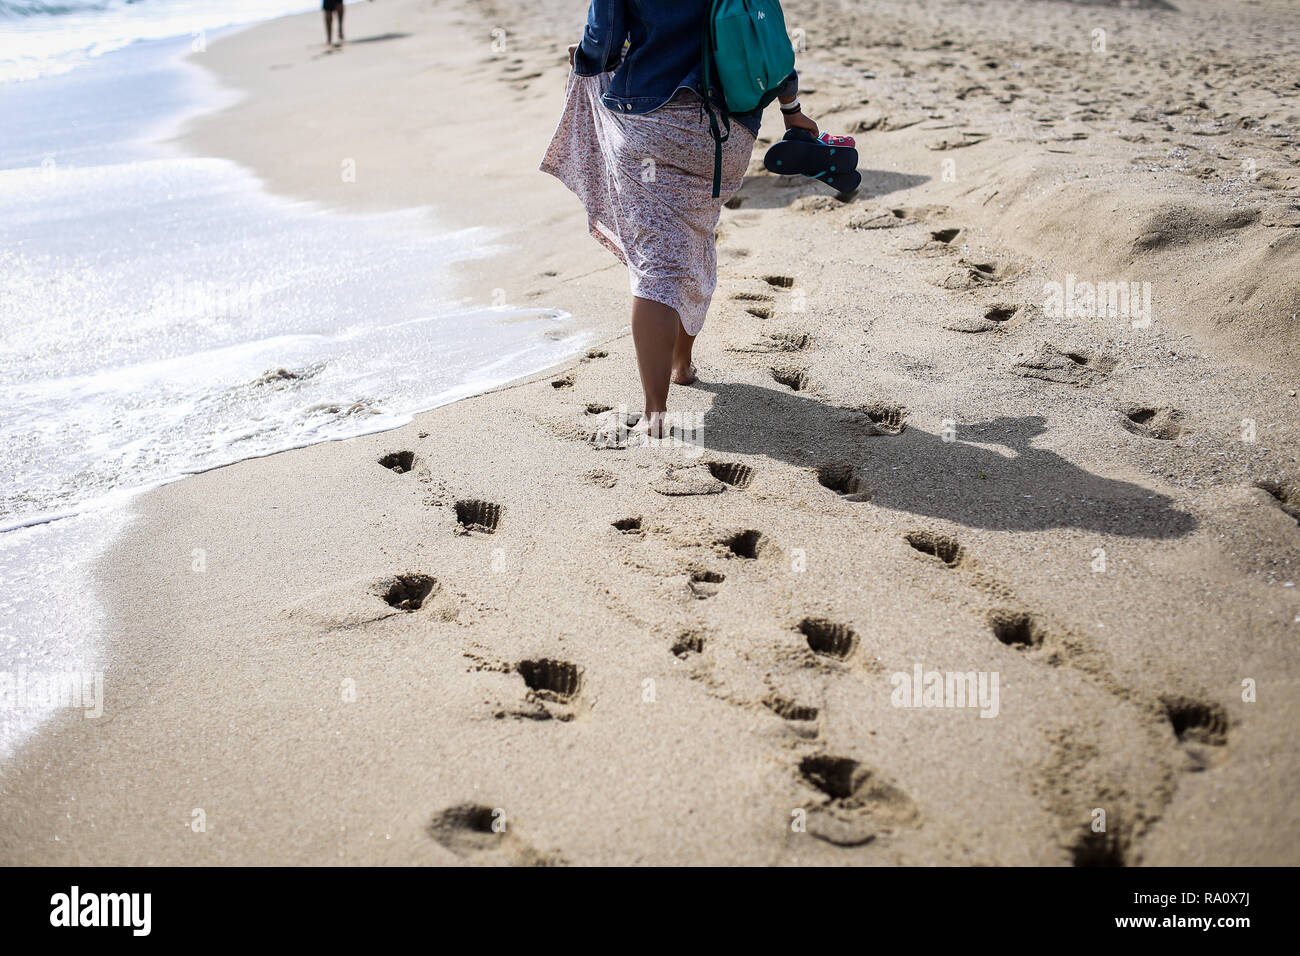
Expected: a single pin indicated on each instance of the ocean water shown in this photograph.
(46, 37)
(163, 314)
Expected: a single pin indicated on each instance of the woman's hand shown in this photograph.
(800, 121)
(573, 52)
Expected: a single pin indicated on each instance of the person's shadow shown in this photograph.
(991, 476)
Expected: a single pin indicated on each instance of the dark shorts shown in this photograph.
(329, 6)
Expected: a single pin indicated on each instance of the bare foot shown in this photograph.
(651, 426)
(684, 376)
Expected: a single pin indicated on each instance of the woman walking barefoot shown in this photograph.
(634, 145)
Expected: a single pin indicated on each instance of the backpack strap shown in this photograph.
(719, 136)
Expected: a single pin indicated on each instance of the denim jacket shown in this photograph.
(664, 41)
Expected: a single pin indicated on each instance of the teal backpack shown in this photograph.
(747, 42)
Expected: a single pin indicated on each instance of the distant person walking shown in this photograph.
(333, 11)
(635, 145)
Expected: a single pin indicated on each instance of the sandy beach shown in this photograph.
(909, 462)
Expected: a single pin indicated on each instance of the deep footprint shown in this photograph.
(1017, 629)
(789, 710)
(744, 544)
(467, 828)
(1093, 849)
(859, 805)
(473, 514)
(1196, 721)
(939, 546)
(732, 473)
(548, 679)
(828, 638)
(399, 461)
(887, 418)
(408, 592)
(1162, 424)
(844, 480)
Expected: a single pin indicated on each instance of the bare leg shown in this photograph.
(329, 29)
(655, 327)
(340, 15)
(683, 370)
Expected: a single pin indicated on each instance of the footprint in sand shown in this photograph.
(743, 544)
(827, 638)
(553, 690)
(688, 644)
(400, 462)
(1200, 727)
(936, 242)
(1286, 494)
(858, 805)
(483, 834)
(1162, 424)
(790, 710)
(686, 480)
(552, 680)
(473, 514)
(991, 319)
(776, 342)
(630, 526)
(704, 583)
(1103, 849)
(885, 419)
(564, 381)
(407, 592)
(896, 216)
(1079, 368)
(757, 304)
(843, 479)
(945, 549)
(1017, 629)
(789, 341)
(972, 275)
(731, 473)
(792, 377)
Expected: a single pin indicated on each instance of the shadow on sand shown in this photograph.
(380, 37)
(774, 192)
(991, 477)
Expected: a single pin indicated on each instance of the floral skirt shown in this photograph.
(646, 182)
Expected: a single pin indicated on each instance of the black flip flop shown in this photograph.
(800, 154)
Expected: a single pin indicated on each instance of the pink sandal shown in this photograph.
(829, 140)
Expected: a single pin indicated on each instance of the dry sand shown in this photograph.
(626, 673)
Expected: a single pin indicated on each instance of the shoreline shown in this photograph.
(657, 656)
